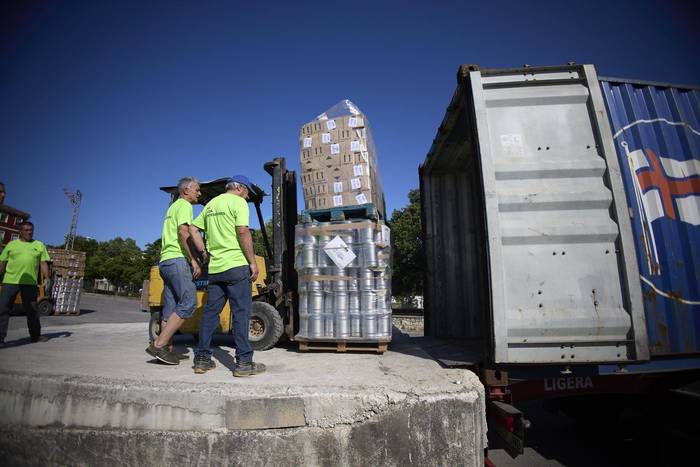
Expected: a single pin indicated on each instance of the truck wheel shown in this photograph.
(154, 325)
(45, 308)
(265, 326)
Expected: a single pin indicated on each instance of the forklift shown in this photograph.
(274, 313)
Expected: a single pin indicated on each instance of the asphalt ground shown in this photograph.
(94, 308)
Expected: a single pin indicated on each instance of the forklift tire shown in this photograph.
(154, 325)
(265, 326)
(45, 307)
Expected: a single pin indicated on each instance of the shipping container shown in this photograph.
(656, 130)
(530, 253)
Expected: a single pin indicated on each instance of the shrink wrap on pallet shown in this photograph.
(338, 160)
(344, 273)
(67, 272)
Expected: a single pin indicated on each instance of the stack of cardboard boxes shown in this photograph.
(67, 262)
(339, 163)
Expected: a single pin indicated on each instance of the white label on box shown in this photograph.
(512, 145)
(357, 170)
(330, 124)
(307, 142)
(337, 187)
(337, 200)
(335, 148)
(352, 122)
(326, 138)
(355, 183)
(355, 146)
(339, 252)
(386, 234)
(361, 198)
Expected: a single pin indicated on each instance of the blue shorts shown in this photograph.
(179, 291)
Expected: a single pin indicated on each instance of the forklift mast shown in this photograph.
(282, 275)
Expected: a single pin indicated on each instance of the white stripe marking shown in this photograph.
(627, 127)
(653, 207)
(689, 209)
(680, 169)
(664, 294)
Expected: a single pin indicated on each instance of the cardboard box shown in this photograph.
(339, 164)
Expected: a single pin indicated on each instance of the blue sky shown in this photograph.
(119, 98)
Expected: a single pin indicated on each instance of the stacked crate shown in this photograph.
(344, 273)
(68, 271)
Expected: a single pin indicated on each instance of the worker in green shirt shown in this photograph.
(20, 262)
(232, 267)
(178, 268)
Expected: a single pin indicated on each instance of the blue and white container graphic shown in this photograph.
(656, 130)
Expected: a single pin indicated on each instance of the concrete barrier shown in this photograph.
(400, 408)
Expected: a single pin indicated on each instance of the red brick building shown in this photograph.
(10, 219)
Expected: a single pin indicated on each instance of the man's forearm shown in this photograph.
(246, 240)
(197, 240)
(183, 235)
(45, 269)
(3, 264)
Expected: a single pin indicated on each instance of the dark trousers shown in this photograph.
(232, 285)
(7, 300)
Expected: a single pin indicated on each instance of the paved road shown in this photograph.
(95, 308)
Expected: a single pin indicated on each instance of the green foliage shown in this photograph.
(151, 254)
(259, 241)
(407, 242)
(121, 261)
(88, 245)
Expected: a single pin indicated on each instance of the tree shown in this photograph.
(407, 242)
(86, 244)
(151, 254)
(121, 261)
(259, 241)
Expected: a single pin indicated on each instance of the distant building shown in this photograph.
(10, 219)
(103, 285)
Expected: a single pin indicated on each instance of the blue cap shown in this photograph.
(243, 180)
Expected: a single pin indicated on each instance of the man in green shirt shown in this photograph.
(178, 267)
(20, 262)
(232, 267)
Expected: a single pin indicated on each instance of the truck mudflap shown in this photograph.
(509, 425)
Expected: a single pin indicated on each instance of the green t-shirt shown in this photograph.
(179, 213)
(219, 220)
(23, 260)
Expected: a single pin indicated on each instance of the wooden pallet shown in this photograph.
(67, 313)
(342, 347)
(340, 213)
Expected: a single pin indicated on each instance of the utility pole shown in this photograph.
(74, 199)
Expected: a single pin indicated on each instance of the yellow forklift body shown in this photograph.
(41, 295)
(191, 325)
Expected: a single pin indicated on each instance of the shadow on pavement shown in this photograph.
(26, 340)
(224, 357)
